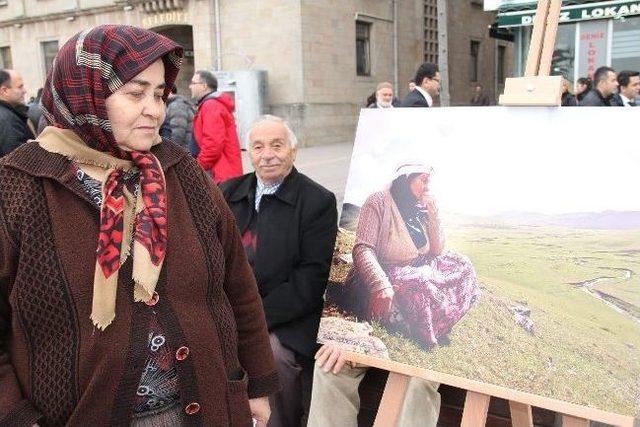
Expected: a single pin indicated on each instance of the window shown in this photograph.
(5, 57)
(363, 58)
(502, 59)
(564, 52)
(474, 50)
(431, 31)
(49, 52)
(625, 51)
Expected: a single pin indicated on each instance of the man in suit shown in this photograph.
(605, 85)
(427, 82)
(288, 225)
(628, 89)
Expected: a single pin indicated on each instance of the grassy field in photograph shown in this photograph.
(583, 292)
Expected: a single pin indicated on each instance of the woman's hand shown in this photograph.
(260, 410)
(429, 202)
(380, 303)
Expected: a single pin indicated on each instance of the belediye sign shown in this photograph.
(573, 13)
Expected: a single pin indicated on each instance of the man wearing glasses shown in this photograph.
(427, 87)
(214, 129)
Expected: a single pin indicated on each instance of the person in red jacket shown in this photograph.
(214, 129)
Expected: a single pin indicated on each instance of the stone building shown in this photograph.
(322, 58)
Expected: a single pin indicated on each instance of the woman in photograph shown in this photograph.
(125, 294)
(400, 267)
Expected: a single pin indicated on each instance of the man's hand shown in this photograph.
(330, 358)
(260, 410)
(380, 303)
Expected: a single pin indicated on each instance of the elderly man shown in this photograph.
(384, 96)
(605, 86)
(427, 83)
(214, 129)
(288, 225)
(628, 90)
(15, 127)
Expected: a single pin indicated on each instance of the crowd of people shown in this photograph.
(145, 280)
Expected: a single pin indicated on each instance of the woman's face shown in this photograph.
(137, 110)
(419, 185)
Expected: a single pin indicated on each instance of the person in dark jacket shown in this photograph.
(383, 97)
(567, 98)
(628, 89)
(35, 111)
(479, 99)
(605, 86)
(583, 87)
(427, 87)
(15, 127)
(288, 225)
(178, 123)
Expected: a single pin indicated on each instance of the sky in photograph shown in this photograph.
(489, 161)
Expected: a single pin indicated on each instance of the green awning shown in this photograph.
(571, 11)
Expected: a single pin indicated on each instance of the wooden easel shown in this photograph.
(536, 88)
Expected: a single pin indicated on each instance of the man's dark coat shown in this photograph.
(414, 99)
(14, 130)
(296, 231)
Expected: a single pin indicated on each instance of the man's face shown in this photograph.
(271, 153)
(13, 91)
(384, 96)
(432, 85)
(198, 87)
(609, 85)
(632, 90)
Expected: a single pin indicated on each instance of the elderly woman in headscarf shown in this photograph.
(406, 278)
(125, 295)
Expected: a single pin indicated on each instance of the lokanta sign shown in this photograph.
(498, 245)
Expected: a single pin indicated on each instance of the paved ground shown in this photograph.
(326, 164)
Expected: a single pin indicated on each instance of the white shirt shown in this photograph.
(625, 100)
(262, 189)
(426, 95)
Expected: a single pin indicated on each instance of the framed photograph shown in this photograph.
(497, 245)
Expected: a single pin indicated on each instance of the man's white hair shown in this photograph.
(291, 137)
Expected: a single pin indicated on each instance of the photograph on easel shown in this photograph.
(500, 245)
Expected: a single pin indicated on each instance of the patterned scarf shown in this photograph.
(88, 69)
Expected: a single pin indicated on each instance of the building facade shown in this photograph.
(474, 56)
(322, 58)
(590, 34)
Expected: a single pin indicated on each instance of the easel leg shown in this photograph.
(392, 400)
(521, 415)
(569, 421)
(476, 406)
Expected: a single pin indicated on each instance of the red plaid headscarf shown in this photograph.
(88, 69)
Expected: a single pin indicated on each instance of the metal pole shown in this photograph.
(443, 52)
(218, 35)
(395, 47)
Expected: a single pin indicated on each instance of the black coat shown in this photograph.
(296, 232)
(414, 99)
(568, 100)
(595, 99)
(14, 130)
